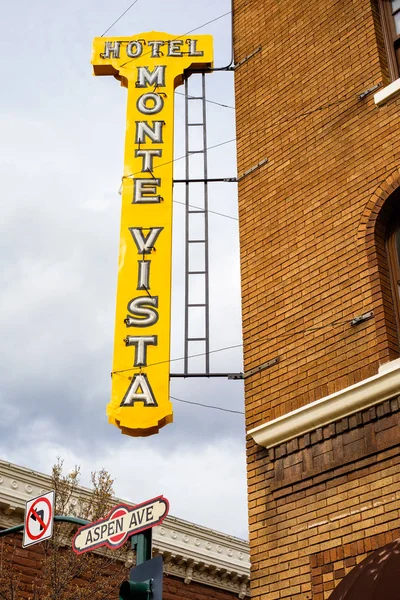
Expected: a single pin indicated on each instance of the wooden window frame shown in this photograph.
(392, 40)
(393, 257)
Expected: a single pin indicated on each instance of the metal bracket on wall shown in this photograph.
(246, 58)
(266, 365)
(252, 169)
(370, 91)
(362, 318)
(209, 180)
(207, 375)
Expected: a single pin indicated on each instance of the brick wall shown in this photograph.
(175, 588)
(312, 226)
(304, 258)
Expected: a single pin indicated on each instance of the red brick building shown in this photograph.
(199, 563)
(317, 98)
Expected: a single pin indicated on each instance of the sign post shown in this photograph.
(150, 65)
(38, 519)
(146, 579)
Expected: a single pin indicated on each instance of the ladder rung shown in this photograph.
(196, 212)
(196, 339)
(195, 97)
(195, 124)
(196, 272)
(191, 305)
(196, 152)
(196, 241)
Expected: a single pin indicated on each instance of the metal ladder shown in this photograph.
(190, 240)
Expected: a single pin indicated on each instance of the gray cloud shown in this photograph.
(61, 154)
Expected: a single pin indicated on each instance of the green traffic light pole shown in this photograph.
(141, 542)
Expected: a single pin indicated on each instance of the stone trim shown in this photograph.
(216, 559)
(388, 92)
(335, 449)
(348, 401)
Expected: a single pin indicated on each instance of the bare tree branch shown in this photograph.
(61, 574)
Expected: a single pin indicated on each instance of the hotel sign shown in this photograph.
(150, 66)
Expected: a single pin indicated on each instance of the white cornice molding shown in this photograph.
(388, 92)
(214, 558)
(205, 546)
(336, 406)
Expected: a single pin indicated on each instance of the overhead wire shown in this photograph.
(171, 360)
(271, 126)
(220, 408)
(119, 18)
(283, 336)
(180, 158)
(214, 212)
(237, 412)
(182, 35)
(209, 101)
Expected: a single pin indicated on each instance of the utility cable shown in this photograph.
(210, 101)
(182, 35)
(162, 362)
(307, 113)
(119, 18)
(335, 323)
(220, 408)
(236, 412)
(283, 118)
(180, 158)
(208, 210)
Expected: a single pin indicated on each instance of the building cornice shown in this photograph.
(387, 93)
(190, 551)
(366, 393)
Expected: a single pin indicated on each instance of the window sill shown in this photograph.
(341, 404)
(390, 91)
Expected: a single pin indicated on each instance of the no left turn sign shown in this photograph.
(38, 520)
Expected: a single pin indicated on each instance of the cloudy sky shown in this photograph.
(61, 146)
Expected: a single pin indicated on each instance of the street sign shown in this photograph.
(122, 522)
(38, 519)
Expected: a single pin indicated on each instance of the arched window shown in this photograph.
(383, 250)
(390, 15)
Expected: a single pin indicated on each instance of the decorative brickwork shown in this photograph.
(337, 506)
(329, 567)
(337, 446)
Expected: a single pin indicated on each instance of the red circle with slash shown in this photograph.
(33, 513)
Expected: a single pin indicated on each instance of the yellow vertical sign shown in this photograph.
(150, 65)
